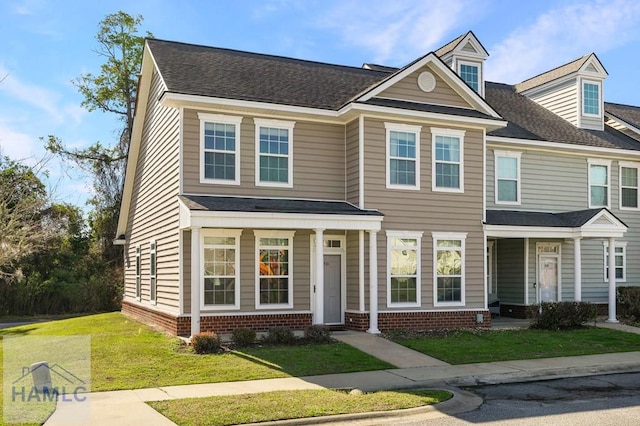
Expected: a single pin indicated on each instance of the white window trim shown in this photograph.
(435, 132)
(600, 101)
(473, 64)
(397, 127)
(221, 119)
(412, 235)
(279, 124)
(235, 233)
(510, 154)
(138, 289)
(628, 165)
(623, 245)
(461, 236)
(273, 234)
(599, 162)
(153, 272)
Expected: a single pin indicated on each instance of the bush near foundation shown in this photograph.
(561, 315)
(243, 337)
(629, 302)
(279, 336)
(317, 334)
(206, 343)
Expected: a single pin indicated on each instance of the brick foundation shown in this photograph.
(388, 321)
(519, 311)
(160, 320)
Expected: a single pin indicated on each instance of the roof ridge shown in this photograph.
(622, 105)
(522, 83)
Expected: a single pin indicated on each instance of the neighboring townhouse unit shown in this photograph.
(269, 191)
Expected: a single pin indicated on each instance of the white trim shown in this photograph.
(361, 288)
(622, 122)
(623, 246)
(526, 271)
(583, 82)
(417, 236)
(458, 236)
(229, 233)
(538, 145)
(195, 273)
(489, 269)
(181, 151)
(181, 271)
(405, 128)
(577, 269)
(236, 121)
(507, 154)
(435, 132)
(484, 176)
(557, 256)
(153, 272)
(373, 283)
(628, 165)
(599, 162)
(360, 161)
(274, 124)
(258, 234)
(478, 65)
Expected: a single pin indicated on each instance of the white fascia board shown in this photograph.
(593, 60)
(622, 122)
(560, 146)
(505, 231)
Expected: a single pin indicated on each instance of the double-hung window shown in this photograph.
(620, 261)
(403, 156)
(629, 185)
(591, 98)
(403, 268)
(449, 269)
(470, 73)
(153, 263)
(448, 160)
(221, 269)
(507, 187)
(138, 274)
(599, 179)
(220, 146)
(274, 277)
(274, 152)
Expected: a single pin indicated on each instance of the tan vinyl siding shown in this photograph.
(561, 99)
(593, 123)
(153, 214)
(510, 270)
(352, 163)
(428, 211)
(186, 271)
(407, 90)
(353, 290)
(318, 162)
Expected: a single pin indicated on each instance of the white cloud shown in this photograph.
(396, 32)
(17, 145)
(562, 34)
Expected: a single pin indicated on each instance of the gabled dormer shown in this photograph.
(573, 91)
(466, 55)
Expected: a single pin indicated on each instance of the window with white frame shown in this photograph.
(153, 263)
(470, 73)
(221, 268)
(274, 152)
(403, 268)
(274, 286)
(620, 261)
(220, 145)
(599, 183)
(138, 274)
(507, 174)
(448, 155)
(448, 271)
(591, 98)
(629, 185)
(403, 156)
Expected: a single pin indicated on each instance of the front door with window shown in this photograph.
(332, 289)
(548, 272)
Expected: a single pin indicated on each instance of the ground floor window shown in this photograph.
(274, 272)
(152, 272)
(621, 261)
(221, 269)
(138, 274)
(448, 274)
(403, 266)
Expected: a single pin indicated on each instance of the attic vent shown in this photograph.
(426, 81)
(591, 68)
(469, 48)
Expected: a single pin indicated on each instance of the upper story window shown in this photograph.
(274, 286)
(448, 156)
(274, 152)
(470, 73)
(220, 148)
(221, 269)
(591, 98)
(599, 179)
(403, 156)
(449, 269)
(629, 185)
(507, 174)
(403, 268)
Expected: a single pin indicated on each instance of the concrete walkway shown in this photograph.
(129, 408)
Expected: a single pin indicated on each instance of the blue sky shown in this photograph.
(46, 44)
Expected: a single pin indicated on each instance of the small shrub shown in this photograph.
(317, 334)
(279, 336)
(561, 315)
(629, 302)
(206, 343)
(242, 337)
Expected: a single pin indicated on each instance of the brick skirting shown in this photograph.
(161, 320)
(388, 321)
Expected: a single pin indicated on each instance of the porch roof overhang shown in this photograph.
(591, 223)
(274, 213)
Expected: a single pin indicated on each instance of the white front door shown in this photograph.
(548, 282)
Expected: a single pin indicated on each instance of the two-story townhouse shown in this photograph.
(263, 191)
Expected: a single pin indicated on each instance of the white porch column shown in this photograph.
(373, 283)
(318, 285)
(577, 269)
(195, 281)
(361, 307)
(612, 280)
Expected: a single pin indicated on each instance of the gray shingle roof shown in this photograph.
(415, 106)
(273, 205)
(573, 219)
(553, 74)
(231, 74)
(628, 113)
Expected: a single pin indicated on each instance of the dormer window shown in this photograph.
(470, 73)
(591, 98)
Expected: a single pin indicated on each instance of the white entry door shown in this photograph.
(332, 289)
(548, 278)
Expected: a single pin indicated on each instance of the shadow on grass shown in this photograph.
(17, 330)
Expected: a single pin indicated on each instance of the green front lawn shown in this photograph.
(466, 347)
(269, 406)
